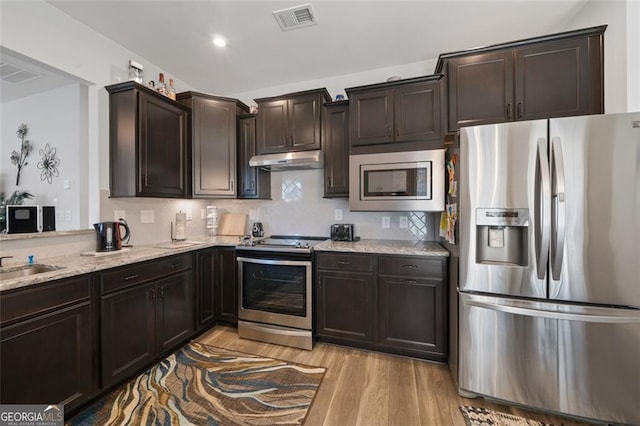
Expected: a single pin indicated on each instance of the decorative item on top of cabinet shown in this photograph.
(291, 122)
(556, 75)
(401, 115)
(213, 135)
(148, 146)
(335, 144)
(253, 182)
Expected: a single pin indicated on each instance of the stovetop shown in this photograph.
(285, 243)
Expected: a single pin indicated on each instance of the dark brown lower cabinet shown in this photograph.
(399, 307)
(344, 306)
(411, 315)
(47, 344)
(144, 321)
(226, 285)
(205, 293)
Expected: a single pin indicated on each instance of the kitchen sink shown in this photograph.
(176, 244)
(11, 272)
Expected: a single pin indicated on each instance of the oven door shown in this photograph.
(274, 291)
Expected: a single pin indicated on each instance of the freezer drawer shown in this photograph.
(582, 361)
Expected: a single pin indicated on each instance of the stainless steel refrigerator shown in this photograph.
(549, 290)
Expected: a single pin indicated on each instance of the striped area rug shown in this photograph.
(206, 385)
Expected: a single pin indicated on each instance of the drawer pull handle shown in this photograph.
(409, 266)
(175, 265)
(343, 262)
(410, 281)
(131, 277)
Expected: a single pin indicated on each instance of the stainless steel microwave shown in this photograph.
(397, 181)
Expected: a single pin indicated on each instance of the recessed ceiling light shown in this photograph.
(219, 41)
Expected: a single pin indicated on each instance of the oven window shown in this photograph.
(278, 289)
(400, 182)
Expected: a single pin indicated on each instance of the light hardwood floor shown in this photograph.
(370, 388)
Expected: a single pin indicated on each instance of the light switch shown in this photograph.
(386, 222)
(404, 222)
(189, 214)
(147, 216)
(337, 213)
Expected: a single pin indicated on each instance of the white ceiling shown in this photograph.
(351, 36)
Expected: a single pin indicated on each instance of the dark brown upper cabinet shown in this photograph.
(253, 182)
(148, 146)
(213, 135)
(397, 116)
(290, 122)
(552, 76)
(335, 143)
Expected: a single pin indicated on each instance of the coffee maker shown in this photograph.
(257, 230)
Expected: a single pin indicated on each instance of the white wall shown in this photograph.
(616, 46)
(633, 55)
(52, 118)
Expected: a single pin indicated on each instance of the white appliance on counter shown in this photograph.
(550, 265)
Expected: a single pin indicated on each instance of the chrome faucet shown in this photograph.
(4, 257)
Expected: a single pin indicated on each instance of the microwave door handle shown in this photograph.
(558, 212)
(542, 195)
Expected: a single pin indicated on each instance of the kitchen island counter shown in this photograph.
(76, 264)
(399, 247)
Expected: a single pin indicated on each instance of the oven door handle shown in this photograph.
(274, 261)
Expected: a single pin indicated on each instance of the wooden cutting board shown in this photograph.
(232, 224)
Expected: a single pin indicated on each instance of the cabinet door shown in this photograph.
(205, 315)
(344, 306)
(304, 122)
(128, 332)
(174, 310)
(412, 314)
(162, 148)
(272, 125)
(371, 117)
(417, 112)
(552, 80)
(214, 148)
(253, 182)
(48, 359)
(226, 285)
(336, 152)
(480, 89)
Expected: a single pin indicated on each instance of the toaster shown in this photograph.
(343, 232)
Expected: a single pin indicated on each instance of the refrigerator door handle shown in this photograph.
(628, 316)
(542, 226)
(558, 214)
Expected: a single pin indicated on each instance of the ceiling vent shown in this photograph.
(296, 17)
(17, 75)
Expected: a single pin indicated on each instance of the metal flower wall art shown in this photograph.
(49, 164)
(20, 159)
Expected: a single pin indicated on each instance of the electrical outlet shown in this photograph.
(386, 222)
(404, 222)
(147, 216)
(66, 184)
(203, 213)
(337, 213)
(189, 214)
(118, 214)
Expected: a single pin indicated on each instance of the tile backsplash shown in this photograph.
(296, 207)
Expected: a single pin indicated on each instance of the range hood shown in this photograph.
(298, 160)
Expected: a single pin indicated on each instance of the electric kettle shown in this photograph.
(109, 237)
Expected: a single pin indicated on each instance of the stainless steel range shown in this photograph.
(275, 280)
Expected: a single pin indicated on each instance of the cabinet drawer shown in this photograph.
(411, 266)
(131, 275)
(39, 299)
(345, 262)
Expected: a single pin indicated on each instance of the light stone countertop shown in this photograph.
(402, 247)
(77, 264)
